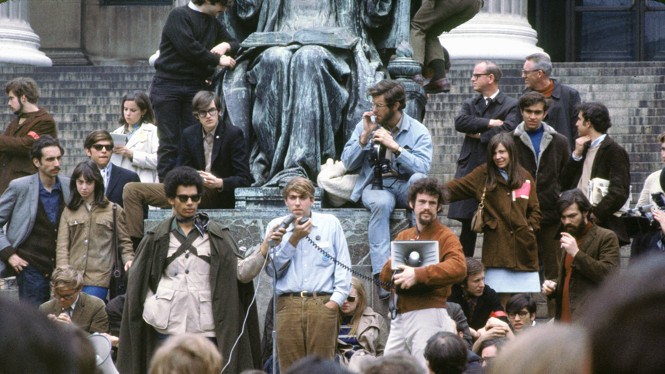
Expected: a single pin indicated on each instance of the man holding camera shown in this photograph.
(651, 200)
(390, 153)
(421, 291)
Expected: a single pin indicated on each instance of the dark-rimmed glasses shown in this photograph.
(474, 75)
(184, 198)
(210, 112)
(522, 313)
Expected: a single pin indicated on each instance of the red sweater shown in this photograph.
(434, 281)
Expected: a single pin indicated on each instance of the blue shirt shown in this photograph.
(51, 200)
(304, 268)
(536, 137)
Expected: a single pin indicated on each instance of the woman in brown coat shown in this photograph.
(511, 217)
(85, 235)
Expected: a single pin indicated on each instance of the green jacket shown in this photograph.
(230, 299)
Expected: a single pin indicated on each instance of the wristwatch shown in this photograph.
(398, 151)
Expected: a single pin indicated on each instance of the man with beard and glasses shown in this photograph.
(30, 123)
(407, 145)
(591, 253)
(421, 292)
(30, 211)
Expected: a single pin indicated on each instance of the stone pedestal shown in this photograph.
(18, 42)
(499, 32)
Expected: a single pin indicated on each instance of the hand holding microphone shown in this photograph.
(278, 232)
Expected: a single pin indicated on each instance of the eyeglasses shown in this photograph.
(380, 105)
(522, 313)
(203, 113)
(525, 72)
(99, 147)
(479, 75)
(67, 297)
(351, 299)
(184, 198)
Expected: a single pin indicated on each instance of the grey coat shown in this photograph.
(18, 210)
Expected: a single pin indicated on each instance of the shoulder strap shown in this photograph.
(185, 244)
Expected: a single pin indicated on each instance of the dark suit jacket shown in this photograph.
(474, 117)
(611, 163)
(230, 160)
(487, 303)
(119, 178)
(89, 313)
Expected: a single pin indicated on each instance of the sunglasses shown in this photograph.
(184, 198)
(99, 147)
(351, 299)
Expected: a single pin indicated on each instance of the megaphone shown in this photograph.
(414, 253)
(103, 358)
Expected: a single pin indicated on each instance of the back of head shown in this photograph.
(625, 319)
(398, 363)
(446, 353)
(556, 348)
(186, 354)
(315, 364)
(30, 343)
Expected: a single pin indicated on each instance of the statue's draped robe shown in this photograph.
(298, 102)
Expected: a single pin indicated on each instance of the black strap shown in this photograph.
(117, 260)
(185, 245)
(662, 179)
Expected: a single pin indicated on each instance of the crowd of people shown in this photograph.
(537, 175)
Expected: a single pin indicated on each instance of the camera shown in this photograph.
(640, 219)
(380, 164)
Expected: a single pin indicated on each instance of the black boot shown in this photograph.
(439, 82)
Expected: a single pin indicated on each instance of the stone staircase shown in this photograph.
(85, 98)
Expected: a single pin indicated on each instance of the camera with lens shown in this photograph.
(640, 219)
(380, 164)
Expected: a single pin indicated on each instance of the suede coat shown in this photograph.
(230, 302)
(509, 240)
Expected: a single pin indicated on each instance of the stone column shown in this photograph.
(500, 31)
(18, 42)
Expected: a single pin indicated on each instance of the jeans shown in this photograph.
(33, 286)
(172, 102)
(381, 204)
(96, 291)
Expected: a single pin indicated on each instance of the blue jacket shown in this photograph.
(413, 136)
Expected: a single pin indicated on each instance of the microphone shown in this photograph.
(284, 224)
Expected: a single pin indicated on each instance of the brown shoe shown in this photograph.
(438, 86)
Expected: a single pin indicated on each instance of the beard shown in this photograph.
(576, 230)
(426, 221)
(19, 111)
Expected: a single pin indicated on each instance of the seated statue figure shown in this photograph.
(300, 83)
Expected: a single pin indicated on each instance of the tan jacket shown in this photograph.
(85, 241)
(372, 335)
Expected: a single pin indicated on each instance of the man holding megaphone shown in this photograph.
(421, 292)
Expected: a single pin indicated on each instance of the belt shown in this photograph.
(304, 294)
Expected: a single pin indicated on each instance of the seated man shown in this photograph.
(217, 150)
(406, 156)
(70, 306)
(477, 299)
(188, 277)
(521, 310)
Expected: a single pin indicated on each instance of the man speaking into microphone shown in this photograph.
(310, 285)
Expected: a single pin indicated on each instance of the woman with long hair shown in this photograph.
(511, 216)
(86, 232)
(139, 152)
(363, 332)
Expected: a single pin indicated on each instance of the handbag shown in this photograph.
(477, 223)
(118, 284)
